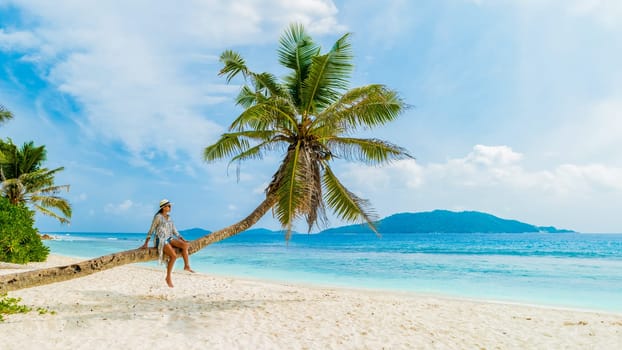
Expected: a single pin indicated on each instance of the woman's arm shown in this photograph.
(154, 225)
(176, 233)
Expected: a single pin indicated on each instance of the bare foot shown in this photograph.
(169, 282)
(187, 268)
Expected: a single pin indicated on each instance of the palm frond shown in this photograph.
(265, 86)
(5, 114)
(234, 64)
(228, 145)
(257, 135)
(53, 202)
(25, 190)
(53, 189)
(247, 97)
(45, 211)
(7, 154)
(28, 183)
(30, 157)
(267, 82)
(21, 160)
(254, 152)
(38, 179)
(345, 204)
(234, 144)
(275, 112)
(296, 52)
(10, 159)
(366, 107)
(368, 151)
(329, 75)
(297, 48)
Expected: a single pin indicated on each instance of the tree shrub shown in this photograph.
(19, 239)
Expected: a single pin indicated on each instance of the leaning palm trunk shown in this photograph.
(63, 273)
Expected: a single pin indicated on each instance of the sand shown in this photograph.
(131, 307)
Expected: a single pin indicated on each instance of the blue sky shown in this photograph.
(516, 105)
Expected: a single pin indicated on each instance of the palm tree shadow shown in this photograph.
(105, 305)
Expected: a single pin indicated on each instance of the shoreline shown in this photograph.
(57, 259)
(131, 306)
(480, 266)
(408, 293)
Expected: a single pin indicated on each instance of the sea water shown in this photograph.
(563, 270)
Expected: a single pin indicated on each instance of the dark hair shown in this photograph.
(158, 212)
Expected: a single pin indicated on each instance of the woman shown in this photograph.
(167, 239)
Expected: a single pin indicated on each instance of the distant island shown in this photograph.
(445, 221)
(194, 232)
(437, 221)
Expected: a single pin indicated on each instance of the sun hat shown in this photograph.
(164, 203)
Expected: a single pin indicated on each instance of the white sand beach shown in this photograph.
(131, 307)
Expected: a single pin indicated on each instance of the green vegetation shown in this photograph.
(444, 221)
(310, 115)
(25, 181)
(10, 306)
(5, 114)
(19, 240)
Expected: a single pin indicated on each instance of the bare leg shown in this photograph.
(184, 252)
(172, 256)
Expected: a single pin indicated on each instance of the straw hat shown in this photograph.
(164, 203)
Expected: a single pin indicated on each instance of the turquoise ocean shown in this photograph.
(569, 270)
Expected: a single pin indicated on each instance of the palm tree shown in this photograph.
(309, 116)
(24, 181)
(5, 114)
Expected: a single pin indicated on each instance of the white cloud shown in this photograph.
(17, 40)
(81, 197)
(493, 155)
(145, 75)
(493, 179)
(119, 208)
(593, 178)
(604, 12)
(607, 12)
(317, 16)
(260, 190)
(567, 109)
(593, 132)
(500, 166)
(385, 24)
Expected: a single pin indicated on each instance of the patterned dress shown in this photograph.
(164, 230)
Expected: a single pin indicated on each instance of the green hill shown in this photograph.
(195, 233)
(444, 221)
